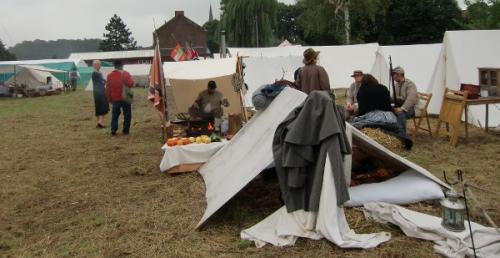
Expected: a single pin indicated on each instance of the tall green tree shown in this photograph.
(288, 27)
(5, 55)
(249, 23)
(483, 14)
(213, 35)
(118, 36)
(419, 21)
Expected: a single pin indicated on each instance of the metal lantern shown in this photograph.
(453, 209)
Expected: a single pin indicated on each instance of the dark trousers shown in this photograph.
(118, 106)
(403, 116)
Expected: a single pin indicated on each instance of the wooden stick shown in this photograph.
(488, 218)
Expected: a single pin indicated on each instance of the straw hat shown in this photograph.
(310, 55)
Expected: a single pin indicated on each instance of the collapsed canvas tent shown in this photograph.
(419, 62)
(34, 77)
(250, 152)
(187, 79)
(463, 52)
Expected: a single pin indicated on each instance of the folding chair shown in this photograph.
(451, 113)
(424, 100)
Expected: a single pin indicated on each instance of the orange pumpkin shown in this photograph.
(186, 141)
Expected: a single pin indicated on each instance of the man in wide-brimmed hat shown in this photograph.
(310, 77)
(352, 101)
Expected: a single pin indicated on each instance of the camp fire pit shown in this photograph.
(195, 128)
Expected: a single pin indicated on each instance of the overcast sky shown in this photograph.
(75, 19)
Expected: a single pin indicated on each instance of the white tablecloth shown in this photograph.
(188, 154)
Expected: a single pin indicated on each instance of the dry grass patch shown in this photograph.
(70, 190)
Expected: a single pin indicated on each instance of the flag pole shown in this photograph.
(164, 116)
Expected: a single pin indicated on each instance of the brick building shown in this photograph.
(183, 30)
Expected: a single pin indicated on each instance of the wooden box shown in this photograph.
(472, 89)
(489, 77)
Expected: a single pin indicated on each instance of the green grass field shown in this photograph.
(70, 190)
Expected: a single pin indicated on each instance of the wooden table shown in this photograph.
(480, 101)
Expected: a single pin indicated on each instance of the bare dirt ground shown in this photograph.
(70, 190)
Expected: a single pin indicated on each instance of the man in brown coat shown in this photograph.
(406, 95)
(310, 77)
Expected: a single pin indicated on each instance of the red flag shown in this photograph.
(157, 82)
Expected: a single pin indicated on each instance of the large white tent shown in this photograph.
(341, 61)
(419, 62)
(264, 65)
(463, 52)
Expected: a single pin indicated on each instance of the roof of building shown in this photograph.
(128, 54)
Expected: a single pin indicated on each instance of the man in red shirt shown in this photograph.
(114, 93)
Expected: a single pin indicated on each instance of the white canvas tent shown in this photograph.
(265, 70)
(340, 61)
(34, 77)
(250, 152)
(268, 51)
(419, 62)
(463, 52)
(189, 78)
(264, 65)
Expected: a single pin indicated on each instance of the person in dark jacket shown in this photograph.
(100, 102)
(114, 93)
(372, 96)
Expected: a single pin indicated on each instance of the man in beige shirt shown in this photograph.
(208, 105)
(406, 95)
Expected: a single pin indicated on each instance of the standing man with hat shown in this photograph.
(406, 96)
(311, 76)
(352, 100)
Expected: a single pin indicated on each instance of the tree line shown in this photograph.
(263, 23)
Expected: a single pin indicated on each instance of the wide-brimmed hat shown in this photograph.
(310, 55)
(356, 73)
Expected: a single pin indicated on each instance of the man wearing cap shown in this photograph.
(311, 76)
(208, 105)
(352, 100)
(406, 96)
